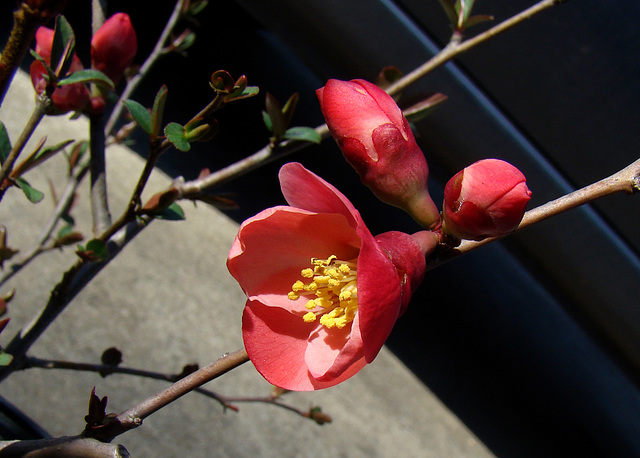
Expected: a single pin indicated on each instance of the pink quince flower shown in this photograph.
(70, 97)
(486, 199)
(114, 46)
(323, 293)
(377, 141)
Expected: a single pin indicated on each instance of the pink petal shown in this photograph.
(379, 296)
(273, 247)
(331, 352)
(304, 189)
(276, 342)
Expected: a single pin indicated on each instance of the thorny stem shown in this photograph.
(158, 51)
(626, 180)
(456, 47)
(42, 104)
(225, 401)
(62, 207)
(133, 417)
(26, 22)
(98, 191)
(268, 154)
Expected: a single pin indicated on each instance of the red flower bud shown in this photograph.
(71, 97)
(377, 141)
(486, 199)
(114, 46)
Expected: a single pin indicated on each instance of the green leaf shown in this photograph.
(423, 108)
(87, 76)
(32, 194)
(64, 43)
(172, 213)
(97, 248)
(247, 92)
(448, 7)
(267, 121)
(5, 143)
(307, 134)
(289, 107)
(5, 358)
(140, 114)
(275, 115)
(158, 110)
(175, 134)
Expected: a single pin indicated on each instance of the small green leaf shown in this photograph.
(64, 43)
(87, 76)
(5, 358)
(289, 107)
(158, 110)
(307, 134)
(425, 107)
(175, 134)
(32, 194)
(5, 143)
(448, 7)
(247, 92)
(267, 121)
(98, 249)
(275, 115)
(140, 114)
(172, 213)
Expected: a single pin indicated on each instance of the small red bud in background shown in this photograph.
(486, 199)
(377, 141)
(114, 46)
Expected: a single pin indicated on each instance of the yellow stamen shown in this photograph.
(333, 283)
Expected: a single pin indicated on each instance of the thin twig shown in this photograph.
(42, 103)
(62, 207)
(133, 417)
(456, 47)
(226, 402)
(158, 51)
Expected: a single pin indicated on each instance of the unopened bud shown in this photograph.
(377, 141)
(486, 199)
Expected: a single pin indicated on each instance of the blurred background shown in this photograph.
(534, 341)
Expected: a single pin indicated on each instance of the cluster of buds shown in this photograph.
(113, 48)
(486, 199)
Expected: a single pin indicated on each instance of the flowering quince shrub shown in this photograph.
(486, 199)
(323, 292)
(377, 141)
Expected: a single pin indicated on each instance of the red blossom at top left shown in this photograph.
(71, 97)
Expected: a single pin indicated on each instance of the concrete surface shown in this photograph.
(168, 300)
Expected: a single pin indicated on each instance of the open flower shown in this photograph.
(323, 294)
(377, 141)
(486, 199)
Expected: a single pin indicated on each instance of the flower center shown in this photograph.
(332, 283)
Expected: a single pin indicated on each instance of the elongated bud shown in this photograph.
(486, 199)
(114, 46)
(377, 141)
